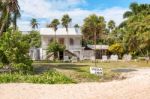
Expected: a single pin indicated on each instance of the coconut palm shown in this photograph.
(93, 25)
(134, 10)
(34, 24)
(111, 25)
(10, 11)
(66, 20)
(76, 26)
(54, 24)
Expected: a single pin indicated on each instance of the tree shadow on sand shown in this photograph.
(40, 68)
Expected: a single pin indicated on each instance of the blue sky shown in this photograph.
(46, 10)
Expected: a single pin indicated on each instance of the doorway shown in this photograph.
(61, 55)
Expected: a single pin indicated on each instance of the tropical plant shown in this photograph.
(76, 26)
(34, 24)
(116, 48)
(135, 29)
(66, 20)
(111, 25)
(94, 27)
(10, 11)
(34, 39)
(14, 51)
(55, 47)
(54, 24)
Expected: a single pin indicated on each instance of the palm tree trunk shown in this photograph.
(67, 39)
(95, 46)
(55, 36)
(4, 23)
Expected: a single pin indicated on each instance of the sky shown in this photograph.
(46, 10)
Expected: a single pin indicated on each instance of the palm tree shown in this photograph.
(76, 26)
(93, 25)
(54, 24)
(10, 10)
(34, 23)
(111, 25)
(65, 22)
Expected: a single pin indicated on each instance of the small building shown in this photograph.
(89, 51)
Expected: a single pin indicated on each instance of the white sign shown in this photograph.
(96, 70)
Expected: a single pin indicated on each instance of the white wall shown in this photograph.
(46, 41)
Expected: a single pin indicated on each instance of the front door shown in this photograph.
(61, 55)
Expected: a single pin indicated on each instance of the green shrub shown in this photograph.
(50, 77)
(14, 49)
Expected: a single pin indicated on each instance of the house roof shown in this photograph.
(60, 31)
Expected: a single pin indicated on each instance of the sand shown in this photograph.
(136, 86)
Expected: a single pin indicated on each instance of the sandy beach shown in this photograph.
(136, 86)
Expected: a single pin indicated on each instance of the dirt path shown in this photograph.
(137, 86)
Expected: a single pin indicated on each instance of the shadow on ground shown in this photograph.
(123, 70)
(40, 68)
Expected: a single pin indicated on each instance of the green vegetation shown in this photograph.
(34, 39)
(135, 30)
(116, 49)
(55, 48)
(34, 24)
(10, 12)
(93, 27)
(66, 21)
(49, 77)
(131, 36)
(79, 72)
(14, 50)
(133, 33)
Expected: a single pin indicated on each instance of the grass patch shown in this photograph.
(49, 77)
(79, 72)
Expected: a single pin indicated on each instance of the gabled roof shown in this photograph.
(60, 31)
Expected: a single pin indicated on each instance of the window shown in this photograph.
(71, 41)
(61, 40)
(51, 40)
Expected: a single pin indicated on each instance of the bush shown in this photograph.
(116, 48)
(14, 49)
(50, 77)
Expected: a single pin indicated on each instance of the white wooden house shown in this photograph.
(71, 39)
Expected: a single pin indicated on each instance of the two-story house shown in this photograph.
(71, 39)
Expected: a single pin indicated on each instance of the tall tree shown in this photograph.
(93, 25)
(10, 11)
(134, 10)
(111, 25)
(54, 24)
(34, 24)
(66, 20)
(76, 26)
(136, 29)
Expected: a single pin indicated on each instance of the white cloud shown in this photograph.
(56, 8)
